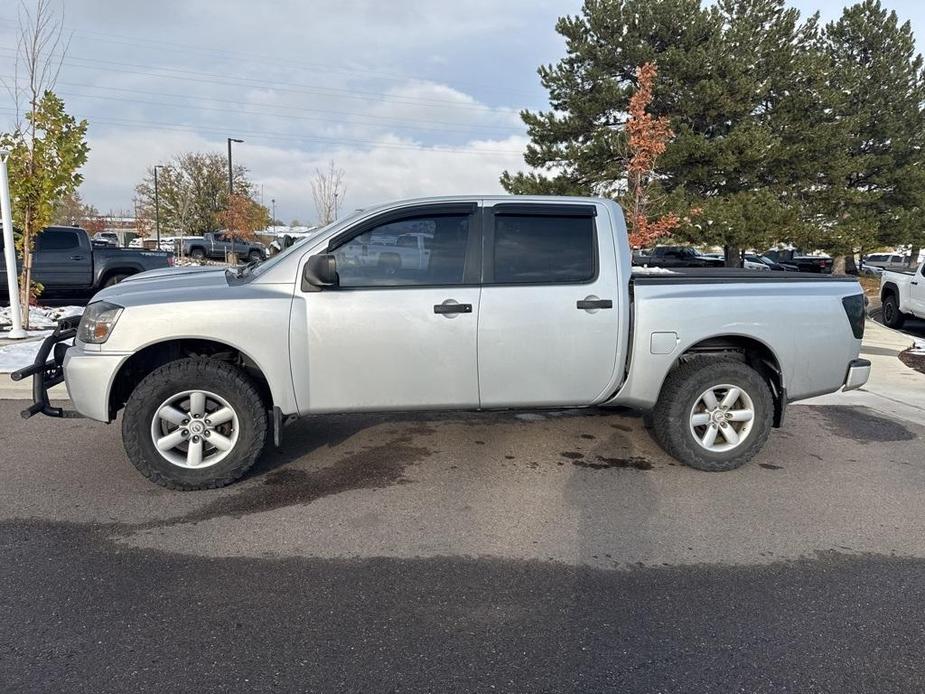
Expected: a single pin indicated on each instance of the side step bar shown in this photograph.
(47, 373)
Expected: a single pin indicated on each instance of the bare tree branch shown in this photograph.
(328, 191)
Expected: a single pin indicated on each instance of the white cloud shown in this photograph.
(391, 91)
(382, 172)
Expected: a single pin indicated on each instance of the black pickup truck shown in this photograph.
(803, 263)
(68, 264)
(676, 256)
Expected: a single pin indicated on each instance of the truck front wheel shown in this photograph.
(713, 414)
(194, 423)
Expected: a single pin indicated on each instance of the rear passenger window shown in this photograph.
(543, 249)
(52, 240)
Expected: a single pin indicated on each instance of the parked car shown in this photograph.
(218, 244)
(751, 262)
(108, 237)
(524, 302)
(770, 264)
(678, 256)
(886, 261)
(903, 295)
(68, 264)
(803, 263)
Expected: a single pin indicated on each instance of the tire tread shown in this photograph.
(134, 427)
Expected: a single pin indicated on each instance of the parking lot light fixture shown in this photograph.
(230, 170)
(157, 208)
(16, 331)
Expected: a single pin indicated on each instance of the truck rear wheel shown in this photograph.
(197, 254)
(713, 414)
(194, 423)
(892, 316)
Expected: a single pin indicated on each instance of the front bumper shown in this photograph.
(47, 373)
(88, 376)
(858, 373)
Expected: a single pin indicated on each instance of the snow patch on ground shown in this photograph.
(918, 348)
(20, 354)
(43, 320)
(40, 317)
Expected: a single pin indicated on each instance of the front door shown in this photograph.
(399, 332)
(60, 259)
(548, 328)
(917, 291)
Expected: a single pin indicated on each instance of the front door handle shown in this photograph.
(452, 308)
(916, 284)
(586, 304)
(77, 257)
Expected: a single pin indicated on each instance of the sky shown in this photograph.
(408, 97)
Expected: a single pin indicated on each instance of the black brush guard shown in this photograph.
(47, 373)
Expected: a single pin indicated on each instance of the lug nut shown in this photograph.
(206, 434)
(185, 422)
(195, 439)
(185, 432)
(208, 421)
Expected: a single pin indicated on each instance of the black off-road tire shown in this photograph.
(224, 380)
(197, 254)
(892, 316)
(671, 416)
(254, 256)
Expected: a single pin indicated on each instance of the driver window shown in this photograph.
(415, 251)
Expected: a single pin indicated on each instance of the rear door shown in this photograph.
(62, 258)
(548, 325)
(399, 332)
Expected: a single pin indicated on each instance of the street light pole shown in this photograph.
(273, 201)
(9, 252)
(157, 208)
(230, 170)
(335, 207)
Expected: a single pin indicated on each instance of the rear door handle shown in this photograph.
(915, 283)
(452, 308)
(585, 304)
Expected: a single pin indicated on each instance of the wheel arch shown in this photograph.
(887, 289)
(109, 272)
(749, 349)
(156, 354)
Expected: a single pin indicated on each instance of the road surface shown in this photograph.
(514, 552)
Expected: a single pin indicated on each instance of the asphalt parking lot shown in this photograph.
(515, 552)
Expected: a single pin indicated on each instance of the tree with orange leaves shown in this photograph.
(242, 217)
(647, 138)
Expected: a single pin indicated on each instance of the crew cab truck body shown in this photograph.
(67, 263)
(219, 244)
(524, 302)
(902, 295)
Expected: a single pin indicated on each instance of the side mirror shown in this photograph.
(320, 271)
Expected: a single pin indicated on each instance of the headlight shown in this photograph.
(97, 322)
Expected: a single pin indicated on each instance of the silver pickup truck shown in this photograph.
(524, 302)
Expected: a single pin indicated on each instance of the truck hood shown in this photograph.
(168, 284)
(171, 272)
